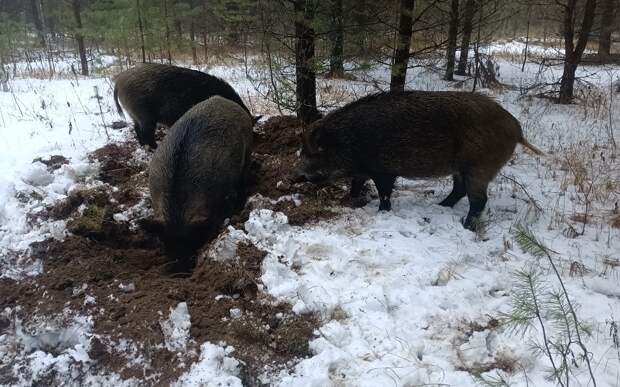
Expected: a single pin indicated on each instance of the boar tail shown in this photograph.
(531, 147)
(118, 105)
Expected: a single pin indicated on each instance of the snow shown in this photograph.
(176, 328)
(40, 118)
(404, 298)
(214, 369)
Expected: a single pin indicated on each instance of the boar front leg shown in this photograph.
(357, 184)
(385, 185)
(458, 192)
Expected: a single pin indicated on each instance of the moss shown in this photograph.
(90, 223)
(293, 336)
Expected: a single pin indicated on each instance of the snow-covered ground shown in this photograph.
(406, 298)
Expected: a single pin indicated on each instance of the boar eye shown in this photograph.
(321, 149)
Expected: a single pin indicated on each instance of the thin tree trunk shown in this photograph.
(527, 38)
(401, 54)
(468, 22)
(167, 30)
(192, 34)
(572, 52)
(336, 65)
(304, 55)
(607, 27)
(477, 51)
(79, 37)
(205, 5)
(39, 20)
(141, 29)
(453, 31)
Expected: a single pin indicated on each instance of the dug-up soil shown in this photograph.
(117, 273)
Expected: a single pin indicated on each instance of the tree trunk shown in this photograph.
(336, 65)
(167, 30)
(141, 29)
(453, 31)
(527, 38)
(468, 27)
(75, 4)
(401, 54)
(205, 5)
(607, 27)
(39, 20)
(572, 52)
(477, 50)
(192, 34)
(304, 55)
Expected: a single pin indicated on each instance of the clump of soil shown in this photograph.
(54, 162)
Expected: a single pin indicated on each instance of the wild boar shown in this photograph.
(158, 93)
(197, 175)
(414, 134)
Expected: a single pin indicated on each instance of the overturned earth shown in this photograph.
(108, 268)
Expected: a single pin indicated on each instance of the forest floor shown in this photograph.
(302, 288)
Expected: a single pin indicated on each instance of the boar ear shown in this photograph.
(151, 225)
(198, 222)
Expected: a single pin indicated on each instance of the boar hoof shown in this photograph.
(385, 205)
(472, 223)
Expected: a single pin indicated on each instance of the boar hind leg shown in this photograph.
(356, 186)
(138, 130)
(458, 192)
(385, 185)
(477, 194)
(148, 133)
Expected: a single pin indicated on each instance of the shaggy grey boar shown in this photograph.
(197, 175)
(414, 134)
(157, 93)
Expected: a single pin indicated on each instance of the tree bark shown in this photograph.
(453, 31)
(468, 27)
(572, 52)
(401, 54)
(79, 37)
(607, 27)
(304, 55)
(336, 61)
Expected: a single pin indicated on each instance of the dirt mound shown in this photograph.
(117, 274)
(131, 291)
(275, 160)
(114, 271)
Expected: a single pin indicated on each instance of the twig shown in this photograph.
(530, 197)
(99, 98)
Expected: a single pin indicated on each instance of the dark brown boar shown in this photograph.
(415, 134)
(197, 175)
(158, 93)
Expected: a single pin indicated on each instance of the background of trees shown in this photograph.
(298, 39)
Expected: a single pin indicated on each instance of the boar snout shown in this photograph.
(303, 177)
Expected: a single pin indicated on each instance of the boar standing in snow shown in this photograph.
(414, 134)
(197, 175)
(157, 93)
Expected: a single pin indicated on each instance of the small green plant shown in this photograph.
(537, 304)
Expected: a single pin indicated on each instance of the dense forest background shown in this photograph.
(298, 39)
